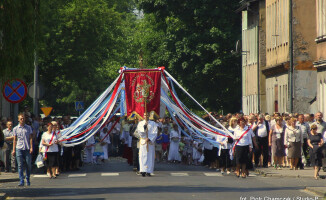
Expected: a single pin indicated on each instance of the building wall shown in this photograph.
(277, 32)
(321, 85)
(304, 34)
(277, 91)
(321, 19)
(262, 56)
(277, 55)
(321, 50)
(250, 61)
(320, 63)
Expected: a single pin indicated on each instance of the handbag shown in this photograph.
(39, 161)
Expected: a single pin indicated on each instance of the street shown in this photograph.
(115, 180)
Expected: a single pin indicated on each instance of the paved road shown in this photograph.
(115, 180)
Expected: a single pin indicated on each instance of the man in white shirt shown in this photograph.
(23, 148)
(305, 130)
(9, 137)
(261, 130)
(251, 123)
(148, 133)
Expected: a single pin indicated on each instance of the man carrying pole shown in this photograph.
(148, 133)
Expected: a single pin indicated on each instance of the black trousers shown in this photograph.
(135, 157)
(262, 143)
(225, 158)
(305, 149)
(208, 157)
(67, 158)
(323, 151)
(117, 147)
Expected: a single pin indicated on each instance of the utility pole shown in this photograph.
(290, 74)
(36, 92)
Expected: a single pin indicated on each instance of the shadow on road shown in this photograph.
(62, 192)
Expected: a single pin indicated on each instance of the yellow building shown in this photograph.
(278, 57)
(253, 56)
(320, 63)
(273, 79)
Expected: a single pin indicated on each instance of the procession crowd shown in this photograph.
(255, 140)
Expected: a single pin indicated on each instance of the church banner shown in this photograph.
(143, 91)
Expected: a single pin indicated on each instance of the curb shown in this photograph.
(314, 190)
(3, 196)
(280, 175)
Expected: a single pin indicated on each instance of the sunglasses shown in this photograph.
(314, 129)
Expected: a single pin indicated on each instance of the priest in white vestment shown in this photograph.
(147, 145)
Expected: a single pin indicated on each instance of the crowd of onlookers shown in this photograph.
(255, 140)
(69, 158)
(281, 140)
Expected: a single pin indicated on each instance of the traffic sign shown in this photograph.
(39, 90)
(79, 106)
(14, 91)
(46, 110)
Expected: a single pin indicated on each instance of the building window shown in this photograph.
(324, 97)
(286, 96)
(249, 38)
(277, 24)
(321, 19)
(321, 96)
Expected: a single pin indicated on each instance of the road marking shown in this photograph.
(213, 174)
(252, 175)
(179, 174)
(110, 174)
(41, 176)
(76, 175)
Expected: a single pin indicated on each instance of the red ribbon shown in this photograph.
(110, 129)
(47, 148)
(241, 137)
(106, 110)
(192, 119)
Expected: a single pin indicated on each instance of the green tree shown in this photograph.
(81, 50)
(194, 41)
(18, 29)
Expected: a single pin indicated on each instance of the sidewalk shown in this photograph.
(307, 172)
(7, 177)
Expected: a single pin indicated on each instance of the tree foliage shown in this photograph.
(17, 37)
(83, 49)
(196, 39)
(81, 44)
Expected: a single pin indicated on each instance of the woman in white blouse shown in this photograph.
(293, 140)
(50, 140)
(243, 135)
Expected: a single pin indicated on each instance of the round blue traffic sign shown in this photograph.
(14, 91)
